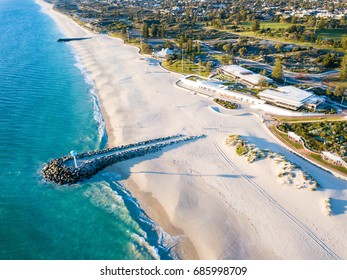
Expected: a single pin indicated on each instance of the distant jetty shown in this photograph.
(77, 167)
(72, 39)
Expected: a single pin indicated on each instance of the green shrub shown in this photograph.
(241, 149)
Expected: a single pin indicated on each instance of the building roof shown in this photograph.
(244, 74)
(255, 78)
(164, 52)
(220, 89)
(287, 94)
(332, 157)
(235, 69)
(294, 136)
(210, 83)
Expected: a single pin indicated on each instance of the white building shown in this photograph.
(291, 97)
(336, 160)
(217, 88)
(244, 74)
(294, 137)
(164, 53)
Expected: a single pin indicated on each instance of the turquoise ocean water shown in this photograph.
(47, 108)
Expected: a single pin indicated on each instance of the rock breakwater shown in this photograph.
(62, 170)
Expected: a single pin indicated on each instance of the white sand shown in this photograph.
(224, 206)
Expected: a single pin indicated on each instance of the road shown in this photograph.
(291, 77)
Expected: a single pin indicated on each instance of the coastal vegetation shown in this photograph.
(226, 104)
(299, 148)
(288, 172)
(321, 136)
(327, 207)
(240, 145)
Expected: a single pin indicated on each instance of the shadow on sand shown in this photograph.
(339, 207)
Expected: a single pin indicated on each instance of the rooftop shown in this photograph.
(235, 69)
(332, 156)
(245, 74)
(288, 94)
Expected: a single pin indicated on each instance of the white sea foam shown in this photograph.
(145, 245)
(165, 240)
(97, 110)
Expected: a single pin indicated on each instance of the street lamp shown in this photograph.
(74, 154)
(182, 60)
(128, 34)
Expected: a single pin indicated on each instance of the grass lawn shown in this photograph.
(218, 56)
(285, 138)
(309, 119)
(325, 33)
(331, 33)
(286, 41)
(336, 34)
(268, 24)
(188, 68)
(318, 158)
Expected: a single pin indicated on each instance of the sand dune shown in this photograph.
(220, 205)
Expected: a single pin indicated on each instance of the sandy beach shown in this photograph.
(212, 201)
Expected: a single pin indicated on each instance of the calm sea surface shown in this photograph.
(46, 109)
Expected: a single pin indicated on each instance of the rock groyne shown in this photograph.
(62, 170)
(72, 39)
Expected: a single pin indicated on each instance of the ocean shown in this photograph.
(47, 108)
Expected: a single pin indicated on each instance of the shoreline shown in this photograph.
(203, 192)
(189, 252)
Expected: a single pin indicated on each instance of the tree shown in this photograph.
(187, 15)
(198, 47)
(181, 41)
(279, 47)
(145, 32)
(277, 72)
(232, 59)
(222, 14)
(242, 51)
(200, 66)
(321, 24)
(227, 48)
(262, 82)
(154, 30)
(329, 90)
(189, 46)
(124, 31)
(294, 20)
(263, 72)
(343, 70)
(226, 59)
(302, 38)
(146, 48)
(344, 43)
(162, 32)
(255, 25)
(208, 67)
(179, 56)
(319, 40)
(329, 60)
(339, 91)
